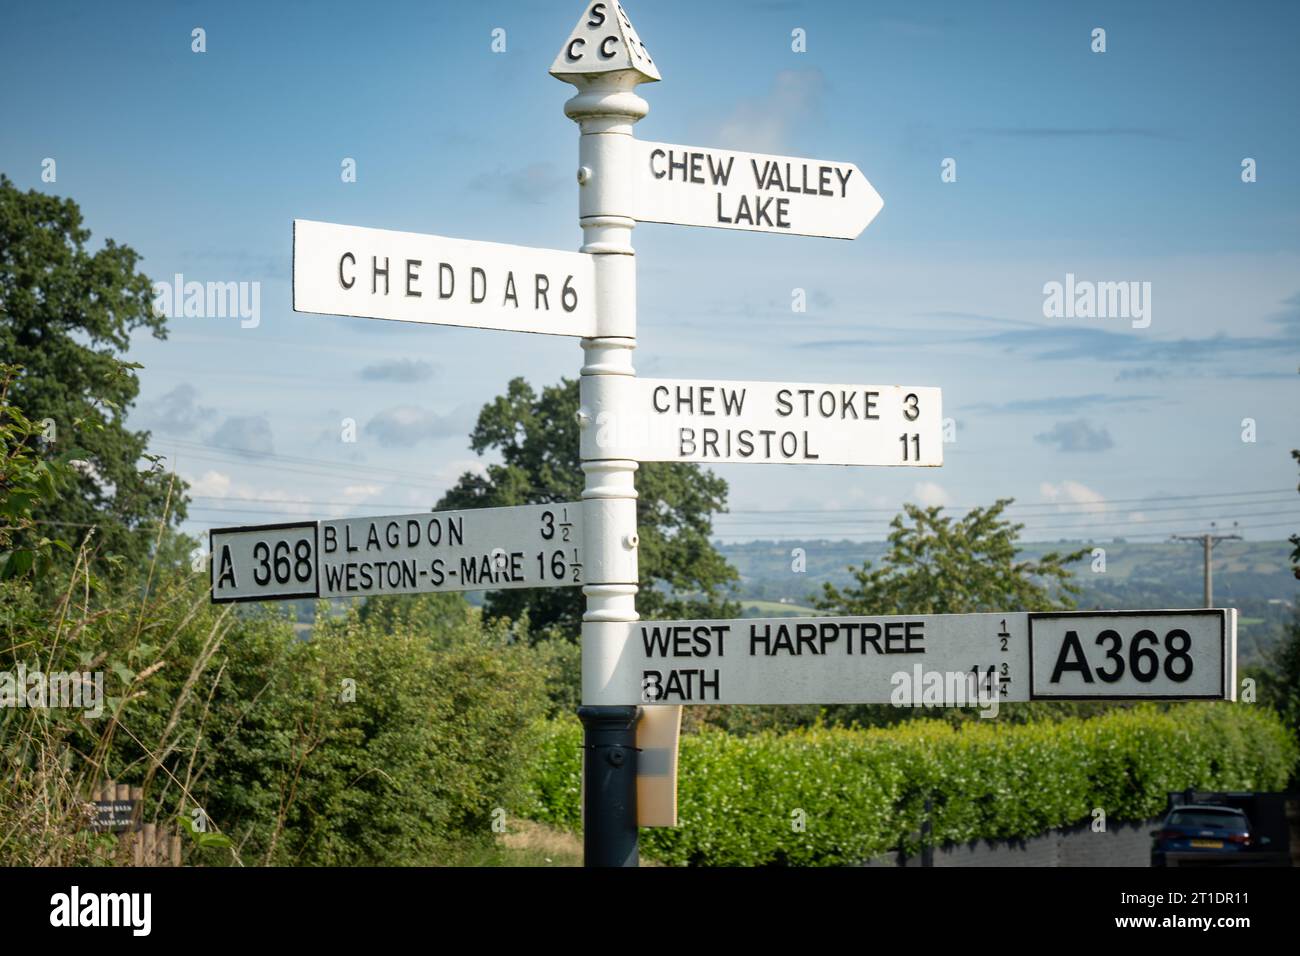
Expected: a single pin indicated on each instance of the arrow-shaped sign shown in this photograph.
(698, 186)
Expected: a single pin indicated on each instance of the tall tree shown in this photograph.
(682, 574)
(944, 565)
(66, 316)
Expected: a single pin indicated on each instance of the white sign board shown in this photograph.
(922, 660)
(698, 186)
(771, 422)
(412, 277)
(486, 549)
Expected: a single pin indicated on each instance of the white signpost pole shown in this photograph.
(605, 60)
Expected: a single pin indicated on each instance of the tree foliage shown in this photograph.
(682, 574)
(66, 315)
(938, 564)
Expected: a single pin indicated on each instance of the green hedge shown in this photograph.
(862, 792)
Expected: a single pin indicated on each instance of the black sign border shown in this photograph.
(1223, 653)
(283, 526)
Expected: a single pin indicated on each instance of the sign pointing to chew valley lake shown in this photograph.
(697, 186)
(412, 277)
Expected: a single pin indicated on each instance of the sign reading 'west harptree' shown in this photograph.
(771, 422)
(413, 277)
(924, 659)
(698, 186)
(488, 549)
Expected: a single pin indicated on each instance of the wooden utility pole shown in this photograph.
(1208, 541)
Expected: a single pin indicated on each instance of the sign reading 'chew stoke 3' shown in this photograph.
(697, 186)
(772, 422)
(413, 277)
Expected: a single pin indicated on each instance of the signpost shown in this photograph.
(697, 186)
(591, 294)
(531, 546)
(920, 659)
(411, 277)
(774, 422)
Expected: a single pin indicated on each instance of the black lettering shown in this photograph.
(1072, 647)
(227, 569)
(656, 154)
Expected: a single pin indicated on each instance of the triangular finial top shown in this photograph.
(603, 42)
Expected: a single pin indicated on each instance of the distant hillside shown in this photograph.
(1253, 576)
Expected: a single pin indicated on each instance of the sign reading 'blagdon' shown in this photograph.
(413, 277)
(925, 659)
(770, 422)
(484, 549)
(726, 189)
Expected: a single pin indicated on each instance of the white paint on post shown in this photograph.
(726, 189)
(927, 659)
(770, 422)
(414, 277)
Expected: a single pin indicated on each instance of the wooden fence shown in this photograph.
(142, 844)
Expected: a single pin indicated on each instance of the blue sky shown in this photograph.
(1115, 166)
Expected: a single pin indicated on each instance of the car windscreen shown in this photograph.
(1224, 819)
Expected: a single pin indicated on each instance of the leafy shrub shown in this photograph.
(863, 792)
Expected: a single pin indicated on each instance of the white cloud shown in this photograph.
(765, 123)
(930, 493)
(361, 492)
(213, 484)
(1073, 493)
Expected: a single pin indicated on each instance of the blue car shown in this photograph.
(1200, 834)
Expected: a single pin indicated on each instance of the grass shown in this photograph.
(526, 844)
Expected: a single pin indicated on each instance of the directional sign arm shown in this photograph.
(484, 549)
(726, 189)
(925, 660)
(413, 277)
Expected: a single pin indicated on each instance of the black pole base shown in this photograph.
(609, 836)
